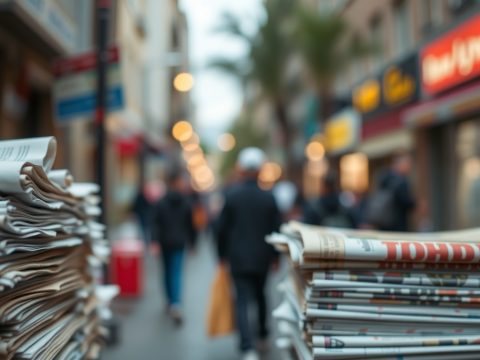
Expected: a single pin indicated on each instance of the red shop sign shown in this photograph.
(453, 58)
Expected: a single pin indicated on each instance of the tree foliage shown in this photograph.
(246, 135)
(328, 46)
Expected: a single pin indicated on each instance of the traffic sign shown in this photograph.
(75, 85)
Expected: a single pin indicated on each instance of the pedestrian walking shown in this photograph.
(142, 208)
(391, 203)
(173, 228)
(248, 215)
(327, 210)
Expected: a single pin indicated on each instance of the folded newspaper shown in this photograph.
(355, 294)
(52, 305)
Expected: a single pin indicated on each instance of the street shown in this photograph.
(146, 332)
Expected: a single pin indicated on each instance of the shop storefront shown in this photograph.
(447, 126)
(382, 101)
(342, 137)
(32, 35)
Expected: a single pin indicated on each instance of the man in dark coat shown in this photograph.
(174, 230)
(249, 214)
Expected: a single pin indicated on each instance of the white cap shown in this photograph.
(251, 158)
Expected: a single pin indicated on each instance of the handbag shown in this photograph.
(220, 314)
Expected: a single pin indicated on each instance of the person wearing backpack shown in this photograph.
(327, 210)
(390, 204)
(173, 228)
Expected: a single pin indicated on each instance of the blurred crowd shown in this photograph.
(240, 216)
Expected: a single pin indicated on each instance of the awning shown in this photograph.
(446, 108)
(28, 27)
(386, 144)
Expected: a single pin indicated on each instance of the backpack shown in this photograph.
(338, 219)
(380, 209)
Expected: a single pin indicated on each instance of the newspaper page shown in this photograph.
(396, 341)
(418, 279)
(319, 264)
(400, 310)
(338, 314)
(335, 246)
(345, 353)
(295, 229)
(37, 151)
(379, 328)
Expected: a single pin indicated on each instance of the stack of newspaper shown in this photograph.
(374, 295)
(50, 252)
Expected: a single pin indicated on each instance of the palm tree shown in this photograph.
(265, 64)
(328, 46)
(245, 135)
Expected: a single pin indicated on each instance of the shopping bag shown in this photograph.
(220, 315)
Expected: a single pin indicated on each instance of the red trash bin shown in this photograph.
(127, 267)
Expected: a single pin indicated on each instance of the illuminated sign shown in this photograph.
(367, 97)
(396, 85)
(453, 58)
(342, 131)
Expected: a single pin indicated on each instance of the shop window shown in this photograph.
(313, 172)
(432, 14)
(377, 33)
(468, 186)
(402, 28)
(458, 7)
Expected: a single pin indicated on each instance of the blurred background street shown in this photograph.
(147, 332)
(361, 114)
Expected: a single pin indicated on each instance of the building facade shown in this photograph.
(153, 42)
(32, 35)
(419, 92)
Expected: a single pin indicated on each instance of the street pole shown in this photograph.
(102, 17)
(103, 12)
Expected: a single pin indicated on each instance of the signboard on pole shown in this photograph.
(76, 85)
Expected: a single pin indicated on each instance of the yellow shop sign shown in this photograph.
(367, 96)
(342, 131)
(396, 85)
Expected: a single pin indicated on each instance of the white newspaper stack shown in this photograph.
(375, 295)
(50, 250)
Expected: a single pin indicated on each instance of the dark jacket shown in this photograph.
(404, 201)
(327, 210)
(249, 214)
(141, 206)
(172, 222)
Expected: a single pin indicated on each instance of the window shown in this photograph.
(402, 28)
(377, 35)
(432, 13)
(436, 11)
(468, 186)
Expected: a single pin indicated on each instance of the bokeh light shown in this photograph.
(182, 130)
(315, 151)
(270, 172)
(226, 142)
(183, 82)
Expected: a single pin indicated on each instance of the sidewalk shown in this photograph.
(147, 333)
